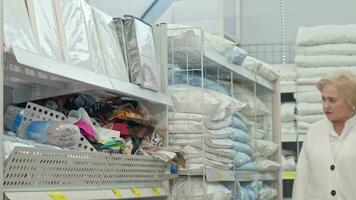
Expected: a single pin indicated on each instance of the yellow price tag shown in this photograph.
(55, 195)
(221, 176)
(288, 175)
(117, 192)
(156, 190)
(135, 191)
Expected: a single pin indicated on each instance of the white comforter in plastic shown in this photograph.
(326, 34)
(327, 49)
(325, 61)
(17, 27)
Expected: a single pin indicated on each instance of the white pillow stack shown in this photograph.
(288, 125)
(322, 49)
(198, 112)
(319, 51)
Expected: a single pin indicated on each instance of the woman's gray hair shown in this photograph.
(345, 81)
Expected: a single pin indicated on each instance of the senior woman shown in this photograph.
(327, 163)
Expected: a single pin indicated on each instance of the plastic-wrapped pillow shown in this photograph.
(176, 116)
(250, 166)
(267, 165)
(244, 148)
(185, 189)
(181, 77)
(218, 158)
(254, 104)
(227, 107)
(238, 123)
(189, 99)
(228, 153)
(257, 134)
(218, 124)
(252, 188)
(241, 136)
(225, 143)
(267, 193)
(61, 134)
(236, 55)
(288, 163)
(220, 133)
(185, 127)
(264, 148)
(241, 159)
(218, 165)
(243, 195)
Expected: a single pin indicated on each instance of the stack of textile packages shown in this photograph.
(202, 124)
(288, 119)
(256, 115)
(209, 127)
(320, 50)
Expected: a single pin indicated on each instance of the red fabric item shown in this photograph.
(122, 127)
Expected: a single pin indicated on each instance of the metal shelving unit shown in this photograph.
(189, 55)
(32, 173)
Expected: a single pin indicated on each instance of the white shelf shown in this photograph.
(229, 175)
(28, 170)
(126, 193)
(71, 78)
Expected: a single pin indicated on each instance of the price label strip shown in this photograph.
(117, 192)
(136, 191)
(56, 195)
(221, 176)
(288, 175)
(156, 190)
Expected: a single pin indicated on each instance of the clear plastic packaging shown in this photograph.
(56, 133)
(113, 56)
(141, 53)
(17, 26)
(75, 38)
(13, 118)
(45, 28)
(93, 37)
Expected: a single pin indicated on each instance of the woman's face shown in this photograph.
(335, 105)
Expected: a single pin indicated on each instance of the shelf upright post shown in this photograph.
(276, 99)
(1, 94)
